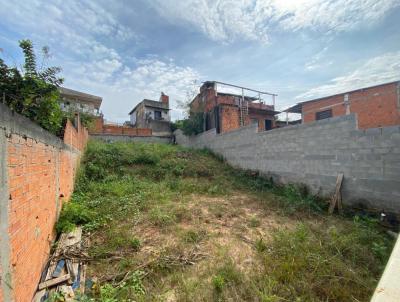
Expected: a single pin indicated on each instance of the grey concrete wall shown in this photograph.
(5, 270)
(127, 138)
(160, 128)
(314, 154)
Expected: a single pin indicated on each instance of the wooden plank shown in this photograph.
(339, 203)
(39, 296)
(65, 240)
(67, 292)
(83, 278)
(58, 270)
(337, 195)
(54, 282)
(72, 268)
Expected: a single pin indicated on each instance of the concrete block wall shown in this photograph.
(127, 138)
(37, 175)
(314, 154)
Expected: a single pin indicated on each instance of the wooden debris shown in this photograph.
(58, 269)
(54, 282)
(39, 296)
(66, 241)
(63, 272)
(67, 292)
(337, 196)
(83, 278)
(73, 268)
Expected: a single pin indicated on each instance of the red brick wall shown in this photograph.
(40, 177)
(375, 107)
(101, 128)
(260, 119)
(229, 118)
(97, 125)
(335, 103)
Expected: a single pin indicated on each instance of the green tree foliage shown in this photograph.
(87, 119)
(32, 92)
(191, 126)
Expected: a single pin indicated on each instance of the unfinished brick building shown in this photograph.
(227, 111)
(376, 106)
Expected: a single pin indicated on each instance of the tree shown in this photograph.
(32, 92)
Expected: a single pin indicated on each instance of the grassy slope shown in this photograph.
(188, 227)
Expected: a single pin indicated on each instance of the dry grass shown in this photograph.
(171, 224)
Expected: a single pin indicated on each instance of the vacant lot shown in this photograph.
(164, 223)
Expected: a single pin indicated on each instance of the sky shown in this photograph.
(126, 50)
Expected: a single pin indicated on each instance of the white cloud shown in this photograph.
(318, 61)
(151, 76)
(378, 70)
(129, 85)
(70, 28)
(228, 20)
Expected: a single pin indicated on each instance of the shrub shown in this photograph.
(73, 214)
(193, 125)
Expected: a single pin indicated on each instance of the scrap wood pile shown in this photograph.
(65, 272)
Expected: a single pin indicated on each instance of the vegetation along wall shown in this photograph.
(37, 175)
(314, 154)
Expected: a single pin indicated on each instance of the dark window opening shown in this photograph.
(157, 115)
(323, 114)
(268, 125)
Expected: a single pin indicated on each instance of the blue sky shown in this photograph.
(127, 50)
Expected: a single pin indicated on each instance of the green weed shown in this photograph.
(124, 185)
(254, 222)
(161, 217)
(73, 214)
(194, 236)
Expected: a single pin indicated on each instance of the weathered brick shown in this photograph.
(37, 170)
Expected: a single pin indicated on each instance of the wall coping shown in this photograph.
(14, 123)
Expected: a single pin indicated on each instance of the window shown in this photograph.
(268, 125)
(157, 115)
(254, 121)
(323, 114)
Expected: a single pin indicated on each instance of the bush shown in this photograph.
(192, 125)
(32, 92)
(73, 214)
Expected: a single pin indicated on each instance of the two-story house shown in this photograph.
(226, 111)
(152, 114)
(72, 100)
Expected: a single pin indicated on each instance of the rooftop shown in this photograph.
(298, 107)
(81, 96)
(151, 103)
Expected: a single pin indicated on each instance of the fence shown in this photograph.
(314, 154)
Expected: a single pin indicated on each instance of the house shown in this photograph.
(152, 114)
(228, 110)
(376, 106)
(79, 101)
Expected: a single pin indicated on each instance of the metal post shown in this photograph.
(273, 101)
(287, 118)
